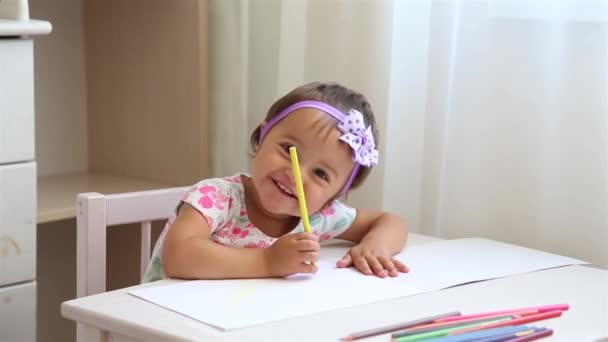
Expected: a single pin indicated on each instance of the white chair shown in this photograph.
(94, 213)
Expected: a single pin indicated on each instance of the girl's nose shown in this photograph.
(291, 177)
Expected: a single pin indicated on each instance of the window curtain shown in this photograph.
(492, 113)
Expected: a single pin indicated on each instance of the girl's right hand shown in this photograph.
(293, 253)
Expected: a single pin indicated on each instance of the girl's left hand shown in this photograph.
(370, 259)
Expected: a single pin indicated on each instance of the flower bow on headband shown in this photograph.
(360, 139)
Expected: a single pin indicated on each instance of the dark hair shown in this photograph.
(333, 94)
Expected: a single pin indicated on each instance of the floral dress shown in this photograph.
(222, 202)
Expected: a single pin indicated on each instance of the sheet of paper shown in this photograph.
(232, 304)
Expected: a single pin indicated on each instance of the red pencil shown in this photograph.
(517, 321)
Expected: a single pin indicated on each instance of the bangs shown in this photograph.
(323, 126)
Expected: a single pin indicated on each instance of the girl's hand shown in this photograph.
(370, 258)
(293, 253)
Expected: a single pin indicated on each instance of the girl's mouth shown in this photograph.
(284, 189)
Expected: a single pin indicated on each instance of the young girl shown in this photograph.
(248, 226)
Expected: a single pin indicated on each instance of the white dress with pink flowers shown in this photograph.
(222, 202)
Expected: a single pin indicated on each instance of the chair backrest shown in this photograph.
(96, 212)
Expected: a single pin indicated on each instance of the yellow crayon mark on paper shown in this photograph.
(243, 291)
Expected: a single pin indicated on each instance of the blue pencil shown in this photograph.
(481, 334)
(508, 336)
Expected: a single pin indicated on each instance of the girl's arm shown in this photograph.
(380, 235)
(189, 253)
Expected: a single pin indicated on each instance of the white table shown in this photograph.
(118, 316)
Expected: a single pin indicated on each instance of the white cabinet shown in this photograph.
(17, 312)
(17, 180)
(17, 223)
(16, 100)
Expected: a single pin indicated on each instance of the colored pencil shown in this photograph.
(464, 321)
(490, 314)
(433, 333)
(481, 334)
(539, 309)
(398, 326)
(505, 337)
(431, 327)
(295, 165)
(535, 336)
(521, 320)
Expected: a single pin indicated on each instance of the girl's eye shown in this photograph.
(321, 174)
(285, 147)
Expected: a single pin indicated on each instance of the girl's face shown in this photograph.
(325, 163)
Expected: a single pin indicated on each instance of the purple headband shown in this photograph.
(359, 138)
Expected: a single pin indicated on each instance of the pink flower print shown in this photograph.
(206, 202)
(220, 199)
(324, 236)
(223, 232)
(328, 211)
(212, 197)
(242, 233)
(243, 212)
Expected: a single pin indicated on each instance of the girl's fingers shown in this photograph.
(308, 256)
(376, 266)
(308, 268)
(388, 265)
(307, 245)
(346, 261)
(400, 266)
(361, 264)
(305, 236)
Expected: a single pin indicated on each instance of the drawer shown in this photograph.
(18, 312)
(17, 223)
(16, 100)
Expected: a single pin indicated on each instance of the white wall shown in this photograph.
(60, 88)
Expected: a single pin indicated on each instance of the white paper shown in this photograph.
(236, 303)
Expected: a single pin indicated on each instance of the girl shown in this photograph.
(248, 226)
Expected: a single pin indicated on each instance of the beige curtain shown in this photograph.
(492, 113)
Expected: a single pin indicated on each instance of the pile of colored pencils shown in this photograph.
(495, 326)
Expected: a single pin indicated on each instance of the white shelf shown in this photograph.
(10, 27)
(57, 194)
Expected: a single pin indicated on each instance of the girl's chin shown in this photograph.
(280, 210)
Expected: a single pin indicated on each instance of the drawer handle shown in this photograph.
(6, 244)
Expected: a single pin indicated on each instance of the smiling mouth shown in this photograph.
(284, 189)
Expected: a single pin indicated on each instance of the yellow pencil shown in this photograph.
(295, 165)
